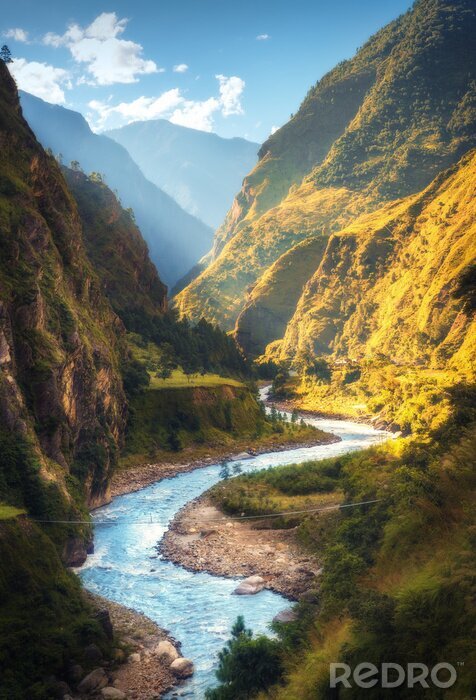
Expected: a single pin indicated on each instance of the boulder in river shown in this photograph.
(94, 681)
(250, 586)
(182, 668)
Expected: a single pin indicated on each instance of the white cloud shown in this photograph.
(17, 34)
(230, 93)
(274, 130)
(41, 79)
(196, 115)
(181, 68)
(172, 105)
(108, 58)
(141, 109)
(263, 37)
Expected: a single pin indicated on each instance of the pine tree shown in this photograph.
(6, 54)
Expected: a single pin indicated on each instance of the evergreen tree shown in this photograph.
(6, 54)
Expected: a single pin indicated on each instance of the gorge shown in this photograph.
(308, 369)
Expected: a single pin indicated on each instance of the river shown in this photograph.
(198, 609)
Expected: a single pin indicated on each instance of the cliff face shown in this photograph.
(376, 128)
(60, 386)
(117, 251)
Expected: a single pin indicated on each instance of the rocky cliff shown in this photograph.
(61, 343)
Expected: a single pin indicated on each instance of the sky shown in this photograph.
(237, 69)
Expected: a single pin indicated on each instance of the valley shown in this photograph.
(238, 381)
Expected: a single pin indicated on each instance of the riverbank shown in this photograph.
(130, 479)
(203, 538)
(139, 670)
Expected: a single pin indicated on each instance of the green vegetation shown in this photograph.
(44, 621)
(9, 512)
(247, 665)
(178, 380)
(208, 414)
(398, 575)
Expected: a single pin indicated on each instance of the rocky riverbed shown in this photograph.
(143, 657)
(130, 479)
(201, 538)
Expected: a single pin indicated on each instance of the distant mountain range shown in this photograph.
(201, 171)
(176, 239)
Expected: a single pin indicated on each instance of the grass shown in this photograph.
(180, 380)
(9, 512)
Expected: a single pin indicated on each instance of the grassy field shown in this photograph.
(180, 380)
(8, 512)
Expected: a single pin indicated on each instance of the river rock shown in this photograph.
(94, 681)
(250, 586)
(113, 693)
(182, 668)
(166, 650)
(241, 455)
(286, 615)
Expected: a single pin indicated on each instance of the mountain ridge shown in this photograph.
(200, 170)
(413, 116)
(176, 239)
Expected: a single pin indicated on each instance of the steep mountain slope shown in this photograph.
(201, 171)
(398, 282)
(176, 240)
(273, 300)
(62, 408)
(117, 250)
(376, 128)
(61, 342)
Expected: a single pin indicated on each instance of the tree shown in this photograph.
(237, 469)
(75, 165)
(247, 665)
(294, 416)
(167, 361)
(224, 471)
(6, 54)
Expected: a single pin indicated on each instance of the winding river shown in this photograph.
(197, 608)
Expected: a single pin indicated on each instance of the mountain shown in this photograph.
(62, 408)
(117, 250)
(201, 171)
(376, 128)
(176, 239)
(399, 282)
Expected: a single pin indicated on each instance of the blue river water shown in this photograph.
(196, 608)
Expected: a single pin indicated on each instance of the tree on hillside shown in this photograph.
(6, 54)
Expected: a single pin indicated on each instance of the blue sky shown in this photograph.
(238, 69)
